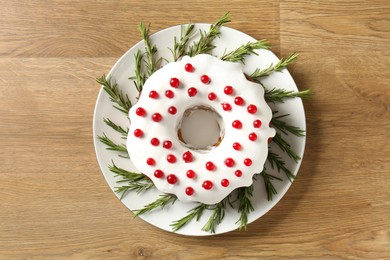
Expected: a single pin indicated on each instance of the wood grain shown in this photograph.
(54, 202)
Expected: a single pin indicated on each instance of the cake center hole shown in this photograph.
(201, 128)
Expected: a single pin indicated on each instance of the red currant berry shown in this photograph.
(228, 90)
(171, 179)
(140, 111)
(269, 140)
(210, 166)
(158, 173)
(237, 146)
(172, 110)
(248, 162)
(187, 156)
(169, 94)
(252, 109)
(239, 101)
(252, 136)
(205, 79)
(226, 106)
(237, 124)
(167, 144)
(238, 173)
(192, 92)
(189, 68)
(157, 117)
(150, 161)
(189, 191)
(138, 133)
(229, 162)
(207, 185)
(212, 96)
(190, 174)
(257, 124)
(225, 182)
(174, 82)
(171, 158)
(155, 141)
(153, 94)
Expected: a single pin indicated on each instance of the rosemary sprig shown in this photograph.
(194, 213)
(286, 147)
(152, 63)
(276, 161)
(285, 128)
(180, 47)
(159, 203)
(239, 54)
(269, 187)
(112, 146)
(276, 95)
(216, 217)
(245, 207)
(204, 44)
(116, 127)
(282, 64)
(116, 96)
(128, 176)
(139, 78)
(132, 186)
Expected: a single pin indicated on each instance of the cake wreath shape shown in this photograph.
(207, 174)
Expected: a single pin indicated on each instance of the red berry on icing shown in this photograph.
(237, 124)
(269, 140)
(205, 79)
(252, 136)
(169, 94)
(190, 174)
(189, 68)
(187, 156)
(138, 133)
(238, 173)
(167, 144)
(192, 92)
(157, 117)
(229, 162)
(225, 182)
(155, 141)
(210, 166)
(228, 90)
(153, 94)
(212, 96)
(174, 82)
(171, 158)
(239, 101)
(226, 106)
(257, 124)
(207, 185)
(237, 146)
(189, 191)
(140, 111)
(150, 161)
(158, 173)
(252, 109)
(248, 162)
(172, 110)
(171, 179)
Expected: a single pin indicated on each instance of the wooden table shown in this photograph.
(54, 202)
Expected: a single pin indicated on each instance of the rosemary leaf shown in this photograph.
(244, 197)
(128, 176)
(244, 50)
(193, 213)
(112, 146)
(216, 217)
(204, 44)
(115, 94)
(275, 160)
(160, 203)
(279, 95)
(133, 186)
(139, 78)
(116, 127)
(269, 187)
(282, 64)
(152, 63)
(285, 146)
(286, 128)
(180, 47)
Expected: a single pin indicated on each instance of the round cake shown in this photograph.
(200, 129)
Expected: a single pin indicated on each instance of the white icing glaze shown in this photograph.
(221, 74)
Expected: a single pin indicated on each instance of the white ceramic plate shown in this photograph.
(229, 40)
